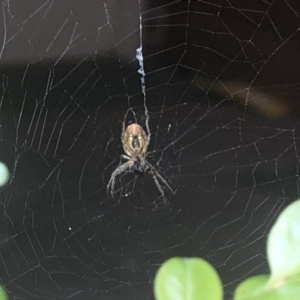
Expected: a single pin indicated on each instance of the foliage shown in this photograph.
(4, 174)
(3, 295)
(195, 279)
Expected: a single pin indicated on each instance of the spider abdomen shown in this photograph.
(135, 143)
(134, 140)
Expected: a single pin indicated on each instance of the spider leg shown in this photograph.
(123, 123)
(125, 156)
(147, 123)
(158, 186)
(119, 170)
(164, 181)
(148, 135)
(155, 174)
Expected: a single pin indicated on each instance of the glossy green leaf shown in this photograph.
(259, 288)
(187, 279)
(3, 295)
(283, 246)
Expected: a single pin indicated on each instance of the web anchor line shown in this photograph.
(139, 56)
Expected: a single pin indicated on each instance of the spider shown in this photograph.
(135, 143)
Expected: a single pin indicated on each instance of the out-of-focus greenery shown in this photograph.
(187, 278)
(3, 295)
(196, 279)
(4, 174)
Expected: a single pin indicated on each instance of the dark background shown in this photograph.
(222, 90)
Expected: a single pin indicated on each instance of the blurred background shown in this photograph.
(221, 87)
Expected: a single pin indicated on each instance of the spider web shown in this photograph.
(220, 82)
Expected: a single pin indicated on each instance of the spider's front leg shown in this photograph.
(119, 170)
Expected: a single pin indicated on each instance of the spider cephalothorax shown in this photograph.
(135, 143)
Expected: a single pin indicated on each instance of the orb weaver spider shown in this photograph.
(135, 144)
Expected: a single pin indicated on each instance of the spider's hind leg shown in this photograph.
(155, 174)
(159, 187)
(165, 182)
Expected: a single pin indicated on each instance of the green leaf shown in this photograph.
(4, 175)
(187, 279)
(251, 287)
(283, 246)
(259, 288)
(3, 295)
